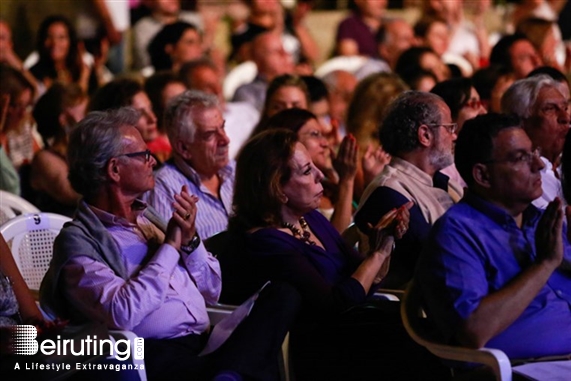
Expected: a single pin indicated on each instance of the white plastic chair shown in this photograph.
(240, 75)
(414, 323)
(12, 205)
(31, 238)
(345, 63)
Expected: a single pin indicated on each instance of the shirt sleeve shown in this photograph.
(204, 270)
(95, 290)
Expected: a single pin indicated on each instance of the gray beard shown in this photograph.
(440, 160)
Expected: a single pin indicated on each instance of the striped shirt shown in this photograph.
(212, 212)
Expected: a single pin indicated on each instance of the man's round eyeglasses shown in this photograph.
(146, 153)
(451, 127)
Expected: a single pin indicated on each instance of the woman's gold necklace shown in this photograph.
(304, 234)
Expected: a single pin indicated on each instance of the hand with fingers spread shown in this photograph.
(373, 162)
(181, 228)
(345, 162)
(548, 236)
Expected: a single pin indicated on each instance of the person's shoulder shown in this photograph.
(459, 216)
(168, 171)
(349, 20)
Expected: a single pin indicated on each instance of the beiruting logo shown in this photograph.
(25, 343)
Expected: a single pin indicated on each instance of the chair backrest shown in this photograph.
(240, 75)
(12, 205)
(31, 238)
(417, 326)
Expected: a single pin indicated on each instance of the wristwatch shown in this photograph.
(192, 245)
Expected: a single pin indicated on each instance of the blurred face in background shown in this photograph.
(57, 41)
(147, 124)
(187, 48)
(471, 108)
(311, 136)
(286, 97)
(437, 37)
(431, 62)
(524, 58)
(206, 79)
(171, 90)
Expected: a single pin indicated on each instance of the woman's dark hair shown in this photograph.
(422, 26)
(408, 64)
(169, 35)
(455, 92)
(115, 94)
(485, 79)
(292, 119)
(154, 87)
(557, 75)
(45, 67)
(49, 107)
(262, 168)
(315, 87)
(500, 54)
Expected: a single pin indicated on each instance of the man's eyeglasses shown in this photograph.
(522, 157)
(474, 104)
(451, 127)
(146, 153)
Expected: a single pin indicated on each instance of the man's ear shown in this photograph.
(425, 137)
(182, 149)
(113, 170)
(481, 175)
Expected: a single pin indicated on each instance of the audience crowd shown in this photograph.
(442, 159)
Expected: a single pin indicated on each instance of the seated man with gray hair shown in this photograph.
(196, 130)
(542, 105)
(119, 263)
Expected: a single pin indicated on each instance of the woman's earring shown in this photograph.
(283, 199)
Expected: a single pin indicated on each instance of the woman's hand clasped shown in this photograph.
(392, 226)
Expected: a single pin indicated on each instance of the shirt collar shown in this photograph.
(530, 215)
(439, 180)
(193, 176)
(109, 219)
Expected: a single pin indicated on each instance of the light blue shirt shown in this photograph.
(212, 212)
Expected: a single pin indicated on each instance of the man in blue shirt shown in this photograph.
(496, 271)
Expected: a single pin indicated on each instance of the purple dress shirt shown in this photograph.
(166, 293)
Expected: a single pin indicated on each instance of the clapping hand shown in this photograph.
(548, 235)
(345, 162)
(373, 162)
(181, 227)
(393, 224)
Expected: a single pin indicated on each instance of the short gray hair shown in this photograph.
(178, 121)
(93, 142)
(521, 96)
(399, 130)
